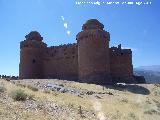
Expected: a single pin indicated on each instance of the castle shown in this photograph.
(89, 60)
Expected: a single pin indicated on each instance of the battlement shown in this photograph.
(64, 46)
(62, 51)
(92, 24)
(94, 34)
(119, 51)
(34, 35)
(32, 44)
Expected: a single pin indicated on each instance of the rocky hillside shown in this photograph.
(66, 100)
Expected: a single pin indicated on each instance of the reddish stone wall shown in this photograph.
(93, 53)
(121, 62)
(93, 58)
(61, 62)
(31, 59)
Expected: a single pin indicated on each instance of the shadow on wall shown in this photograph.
(136, 89)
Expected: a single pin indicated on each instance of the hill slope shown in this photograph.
(66, 100)
(155, 68)
(151, 73)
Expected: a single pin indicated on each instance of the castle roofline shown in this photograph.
(92, 24)
(34, 35)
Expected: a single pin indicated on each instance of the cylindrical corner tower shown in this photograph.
(93, 53)
(31, 56)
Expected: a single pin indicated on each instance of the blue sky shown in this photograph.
(133, 26)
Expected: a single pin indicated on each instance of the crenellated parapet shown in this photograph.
(120, 51)
(93, 34)
(92, 24)
(33, 40)
(34, 35)
(32, 44)
(63, 51)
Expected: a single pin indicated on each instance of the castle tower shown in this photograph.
(93, 53)
(31, 54)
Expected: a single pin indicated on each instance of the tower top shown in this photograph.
(34, 35)
(92, 24)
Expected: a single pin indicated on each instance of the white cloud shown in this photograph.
(66, 25)
(68, 32)
(62, 18)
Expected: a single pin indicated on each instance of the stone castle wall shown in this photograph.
(61, 62)
(31, 59)
(121, 62)
(93, 53)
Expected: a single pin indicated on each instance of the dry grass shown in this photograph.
(122, 105)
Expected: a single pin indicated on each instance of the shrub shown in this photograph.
(132, 115)
(32, 88)
(21, 85)
(19, 95)
(157, 93)
(47, 91)
(125, 100)
(80, 111)
(61, 85)
(151, 111)
(2, 89)
(30, 97)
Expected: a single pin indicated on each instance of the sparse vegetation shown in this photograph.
(157, 93)
(132, 115)
(19, 95)
(32, 88)
(30, 96)
(80, 112)
(61, 85)
(48, 104)
(21, 85)
(151, 111)
(47, 91)
(125, 100)
(2, 89)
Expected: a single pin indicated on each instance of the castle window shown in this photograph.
(33, 61)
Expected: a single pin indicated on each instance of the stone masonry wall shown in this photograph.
(121, 62)
(61, 62)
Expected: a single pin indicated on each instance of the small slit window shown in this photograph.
(33, 61)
